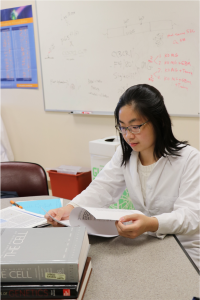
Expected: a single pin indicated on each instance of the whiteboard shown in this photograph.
(92, 51)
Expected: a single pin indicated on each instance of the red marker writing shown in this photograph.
(86, 112)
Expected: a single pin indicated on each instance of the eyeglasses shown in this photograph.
(135, 129)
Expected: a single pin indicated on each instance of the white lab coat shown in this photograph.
(172, 193)
(6, 153)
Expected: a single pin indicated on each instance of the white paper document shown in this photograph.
(98, 221)
(14, 217)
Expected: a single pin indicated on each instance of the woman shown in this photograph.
(160, 173)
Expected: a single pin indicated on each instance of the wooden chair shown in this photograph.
(25, 178)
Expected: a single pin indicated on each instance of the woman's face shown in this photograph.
(142, 142)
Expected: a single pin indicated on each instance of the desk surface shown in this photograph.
(138, 269)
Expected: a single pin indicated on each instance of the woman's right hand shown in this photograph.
(60, 214)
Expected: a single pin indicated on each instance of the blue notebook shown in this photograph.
(36, 206)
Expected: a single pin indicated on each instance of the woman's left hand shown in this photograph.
(140, 224)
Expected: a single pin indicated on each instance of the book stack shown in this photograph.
(39, 263)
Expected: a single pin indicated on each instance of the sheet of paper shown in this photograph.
(98, 221)
(14, 217)
(92, 227)
(81, 217)
(110, 214)
(36, 206)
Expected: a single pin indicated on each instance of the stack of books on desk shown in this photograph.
(39, 263)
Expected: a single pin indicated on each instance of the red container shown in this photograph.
(68, 186)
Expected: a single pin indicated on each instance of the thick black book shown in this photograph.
(48, 291)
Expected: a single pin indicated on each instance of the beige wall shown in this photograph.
(54, 138)
(187, 129)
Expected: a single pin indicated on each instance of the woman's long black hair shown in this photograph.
(149, 103)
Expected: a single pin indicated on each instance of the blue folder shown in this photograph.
(36, 206)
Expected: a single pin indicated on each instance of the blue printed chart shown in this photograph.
(18, 58)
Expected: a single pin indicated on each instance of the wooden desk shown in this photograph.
(138, 269)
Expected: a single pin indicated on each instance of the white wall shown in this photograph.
(52, 138)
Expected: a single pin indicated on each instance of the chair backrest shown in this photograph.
(27, 179)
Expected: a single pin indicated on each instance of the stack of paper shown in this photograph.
(14, 217)
(69, 169)
(31, 215)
